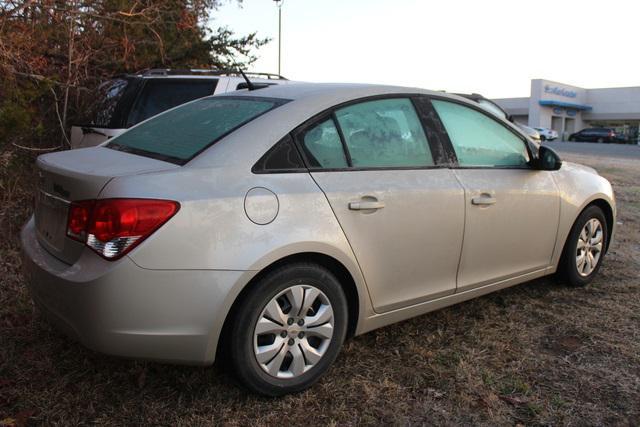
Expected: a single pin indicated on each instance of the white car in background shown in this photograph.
(547, 134)
(531, 132)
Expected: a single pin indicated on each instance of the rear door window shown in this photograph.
(180, 134)
(160, 95)
(322, 146)
(282, 157)
(384, 133)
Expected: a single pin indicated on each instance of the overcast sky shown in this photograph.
(492, 47)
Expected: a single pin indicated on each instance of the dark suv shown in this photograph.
(594, 135)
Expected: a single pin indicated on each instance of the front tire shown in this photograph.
(289, 329)
(585, 247)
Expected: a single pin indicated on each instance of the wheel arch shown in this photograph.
(332, 264)
(608, 215)
(606, 208)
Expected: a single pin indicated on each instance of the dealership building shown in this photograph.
(567, 109)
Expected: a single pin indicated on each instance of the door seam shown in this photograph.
(555, 242)
(464, 225)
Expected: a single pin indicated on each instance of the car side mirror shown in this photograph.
(548, 160)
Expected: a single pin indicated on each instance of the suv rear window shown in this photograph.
(180, 134)
(160, 95)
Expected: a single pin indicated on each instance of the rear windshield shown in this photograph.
(180, 134)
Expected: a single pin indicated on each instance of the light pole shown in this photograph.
(279, 5)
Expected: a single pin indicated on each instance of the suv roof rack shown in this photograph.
(205, 71)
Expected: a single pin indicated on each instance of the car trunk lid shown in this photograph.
(67, 176)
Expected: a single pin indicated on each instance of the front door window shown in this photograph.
(478, 139)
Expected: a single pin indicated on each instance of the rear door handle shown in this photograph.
(363, 206)
(483, 200)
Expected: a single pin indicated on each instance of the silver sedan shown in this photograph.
(270, 225)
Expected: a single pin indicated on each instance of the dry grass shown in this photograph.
(539, 353)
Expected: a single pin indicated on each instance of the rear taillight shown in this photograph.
(79, 215)
(112, 227)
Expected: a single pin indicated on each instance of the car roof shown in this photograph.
(334, 93)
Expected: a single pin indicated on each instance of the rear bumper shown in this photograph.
(122, 309)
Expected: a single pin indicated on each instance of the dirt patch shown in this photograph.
(538, 353)
(563, 345)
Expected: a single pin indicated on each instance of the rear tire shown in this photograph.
(585, 247)
(288, 329)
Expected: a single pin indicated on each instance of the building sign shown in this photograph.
(571, 113)
(560, 91)
(558, 111)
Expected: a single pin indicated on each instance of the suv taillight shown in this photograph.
(112, 227)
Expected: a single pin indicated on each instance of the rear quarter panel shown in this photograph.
(211, 231)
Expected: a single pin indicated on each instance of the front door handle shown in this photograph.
(365, 206)
(483, 200)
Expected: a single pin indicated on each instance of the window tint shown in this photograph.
(384, 133)
(281, 157)
(181, 133)
(323, 147)
(160, 95)
(479, 140)
(107, 97)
